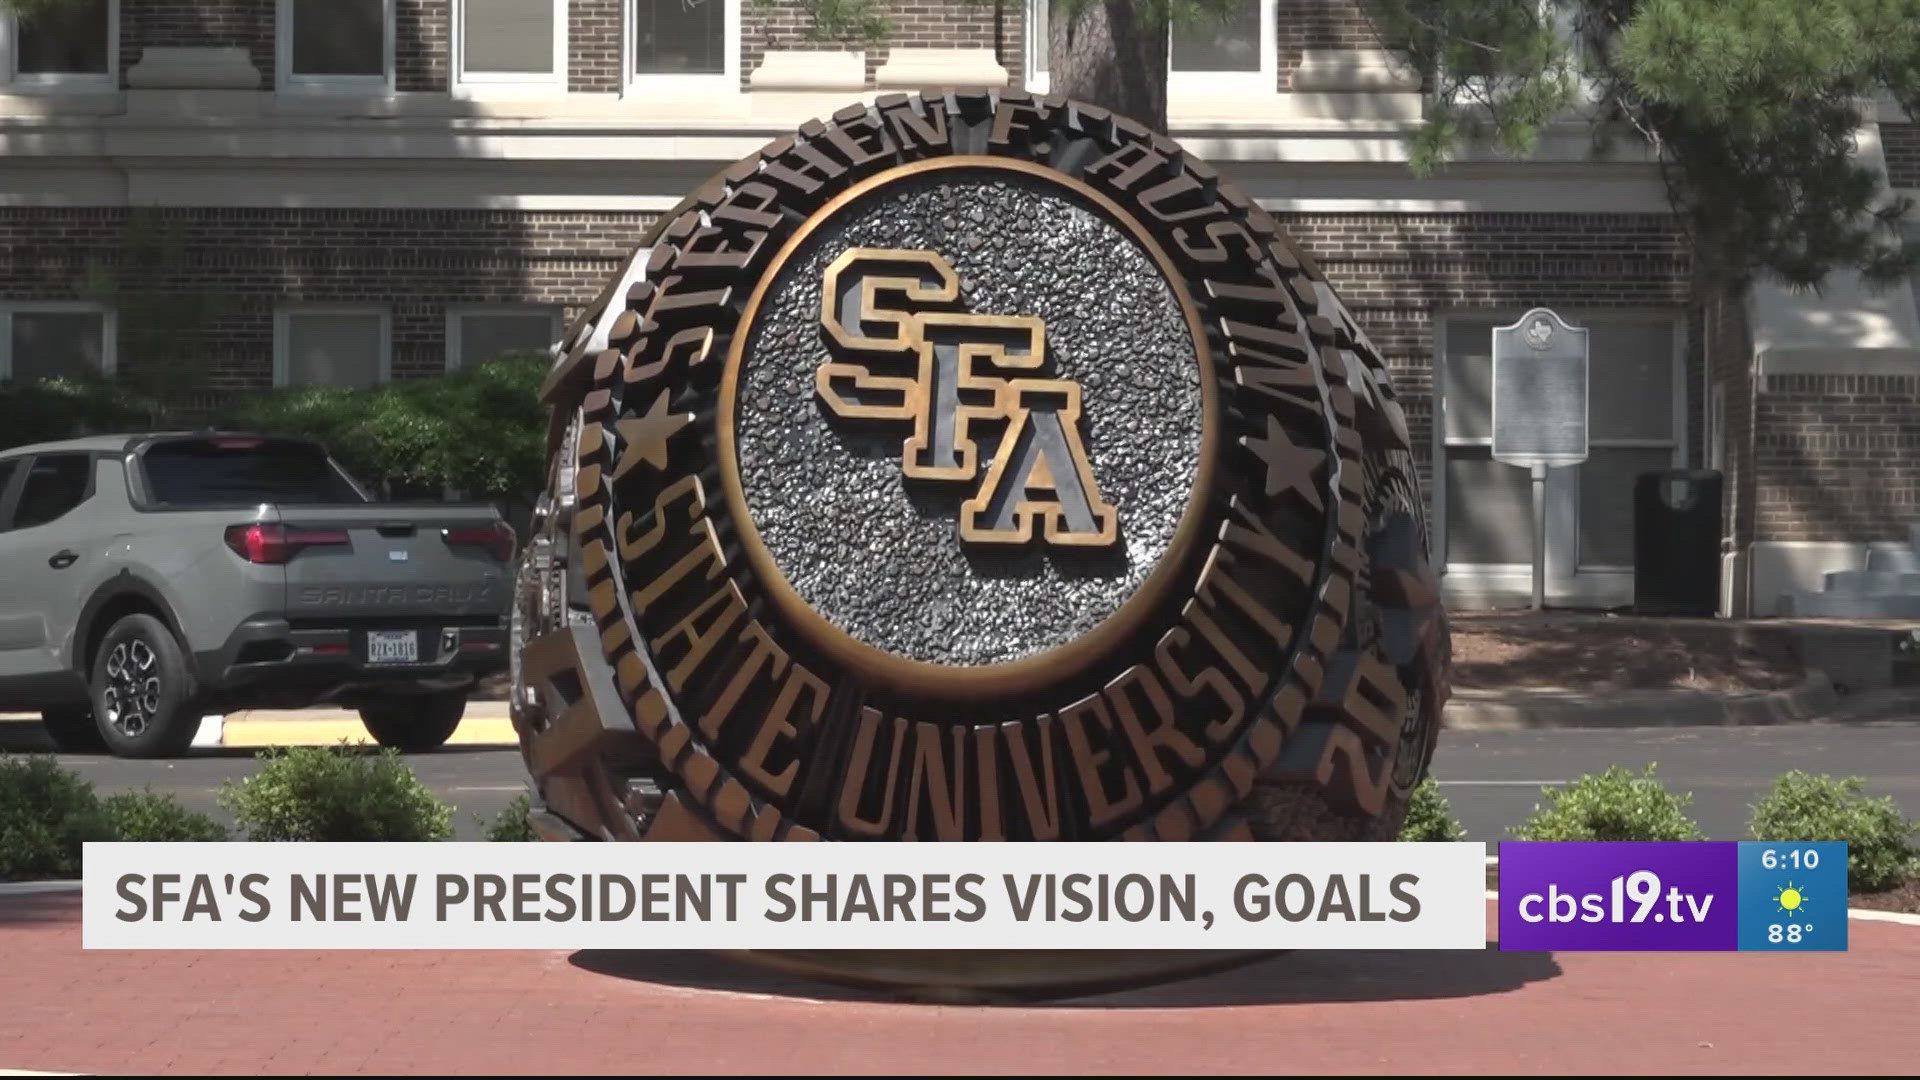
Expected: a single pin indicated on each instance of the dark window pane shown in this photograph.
(1219, 41)
(64, 39)
(483, 337)
(507, 36)
(1467, 388)
(1630, 367)
(1606, 501)
(675, 37)
(56, 484)
(242, 471)
(49, 344)
(1489, 509)
(333, 350)
(7, 469)
(339, 37)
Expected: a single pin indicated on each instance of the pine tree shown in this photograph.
(1753, 107)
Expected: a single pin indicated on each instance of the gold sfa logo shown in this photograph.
(905, 354)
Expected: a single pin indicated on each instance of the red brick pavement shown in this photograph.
(63, 1009)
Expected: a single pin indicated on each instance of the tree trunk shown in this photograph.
(1111, 53)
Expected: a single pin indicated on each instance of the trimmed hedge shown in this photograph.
(482, 429)
(45, 410)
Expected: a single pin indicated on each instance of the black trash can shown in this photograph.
(1676, 542)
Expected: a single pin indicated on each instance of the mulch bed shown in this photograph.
(1903, 898)
(1596, 652)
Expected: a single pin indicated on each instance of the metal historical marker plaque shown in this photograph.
(976, 467)
(1540, 391)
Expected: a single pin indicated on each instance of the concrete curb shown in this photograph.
(486, 724)
(37, 888)
(1519, 710)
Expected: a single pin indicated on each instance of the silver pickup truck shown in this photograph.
(148, 579)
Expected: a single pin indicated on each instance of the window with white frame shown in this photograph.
(332, 345)
(1233, 48)
(682, 38)
(478, 334)
(336, 44)
(74, 44)
(508, 43)
(55, 339)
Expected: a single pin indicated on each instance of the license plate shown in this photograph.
(393, 646)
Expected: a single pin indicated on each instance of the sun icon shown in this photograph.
(1790, 899)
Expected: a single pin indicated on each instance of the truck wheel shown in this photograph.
(144, 698)
(72, 729)
(414, 722)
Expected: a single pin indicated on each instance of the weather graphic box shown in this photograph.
(1679, 896)
(1793, 896)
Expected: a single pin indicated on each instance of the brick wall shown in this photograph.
(246, 24)
(1320, 24)
(418, 262)
(1394, 270)
(921, 24)
(1901, 142)
(1837, 457)
(422, 45)
(593, 46)
(422, 34)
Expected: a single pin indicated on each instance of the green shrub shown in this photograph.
(1615, 805)
(147, 816)
(482, 429)
(1880, 849)
(1429, 817)
(46, 813)
(335, 793)
(511, 824)
(43, 410)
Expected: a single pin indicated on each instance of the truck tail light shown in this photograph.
(497, 539)
(273, 544)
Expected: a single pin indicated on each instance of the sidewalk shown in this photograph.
(683, 1013)
(485, 724)
(1558, 707)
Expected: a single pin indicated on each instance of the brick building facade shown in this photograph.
(387, 188)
